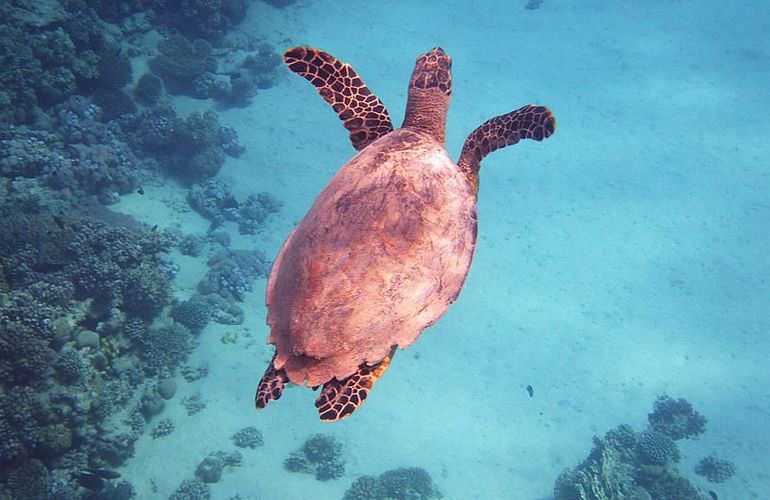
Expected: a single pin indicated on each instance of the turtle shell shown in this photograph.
(379, 257)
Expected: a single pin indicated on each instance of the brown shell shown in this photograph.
(379, 257)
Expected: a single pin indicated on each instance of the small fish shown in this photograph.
(140, 190)
(89, 480)
(530, 391)
(154, 228)
(59, 221)
(105, 473)
(713, 495)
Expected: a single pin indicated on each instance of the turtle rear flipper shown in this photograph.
(361, 112)
(340, 398)
(271, 386)
(528, 122)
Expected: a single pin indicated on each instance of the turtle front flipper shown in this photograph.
(528, 122)
(271, 386)
(362, 113)
(340, 398)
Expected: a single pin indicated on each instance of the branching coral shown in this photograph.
(164, 348)
(206, 18)
(656, 448)
(192, 489)
(406, 483)
(180, 61)
(232, 272)
(716, 470)
(248, 437)
(676, 418)
(194, 313)
(321, 454)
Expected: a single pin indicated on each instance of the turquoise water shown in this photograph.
(622, 259)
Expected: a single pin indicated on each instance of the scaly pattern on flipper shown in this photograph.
(528, 122)
(271, 386)
(361, 112)
(340, 398)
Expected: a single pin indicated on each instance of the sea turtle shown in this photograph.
(386, 246)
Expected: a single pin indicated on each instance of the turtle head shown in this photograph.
(429, 91)
(433, 70)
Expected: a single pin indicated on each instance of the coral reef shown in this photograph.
(364, 488)
(297, 462)
(191, 374)
(194, 313)
(163, 349)
(113, 103)
(192, 489)
(25, 352)
(166, 388)
(83, 155)
(228, 139)
(164, 428)
(676, 418)
(209, 19)
(30, 480)
(193, 149)
(121, 490)
(625, 464)
(67, 50)
(248, 437)
(253, 212)
(406, 483)
(191, 245)
(656, 448)
(193, 404)
(148, 89)
(672, 487)
(716, 470)
(210, 469)
(602, 476)
(180, 61)
(263, 66)
(144, 295)
(320, 455)
(84, 340)
(213, 201)
(70, 367)
(232, 273)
